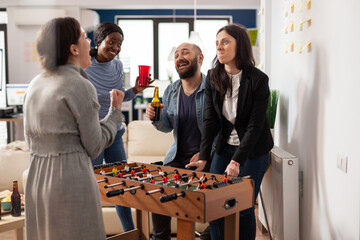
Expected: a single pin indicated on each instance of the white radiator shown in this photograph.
(280, 192)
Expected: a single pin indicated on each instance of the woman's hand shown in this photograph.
(138, 88)
(116, 98)
(200, 165)
(233, 169)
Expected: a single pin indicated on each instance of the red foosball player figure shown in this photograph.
(225, 177)
(102, 172)
(176, 176)
(114, 170)
(144, 170)
(188, 187)
(132, 172)
(165, 179)
(120, 175)
(152, 180)
(201, 185)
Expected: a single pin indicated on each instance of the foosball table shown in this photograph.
(190, 196)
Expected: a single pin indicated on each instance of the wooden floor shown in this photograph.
(259, 235)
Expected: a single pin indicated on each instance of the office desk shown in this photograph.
(10, 125)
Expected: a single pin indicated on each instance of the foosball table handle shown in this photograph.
(170, 197)
(235, 180)
(219, 184)
(114, 193)
(191, 168)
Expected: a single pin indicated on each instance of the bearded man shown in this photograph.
(182, 113)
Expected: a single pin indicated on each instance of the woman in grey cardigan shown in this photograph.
(63, 131)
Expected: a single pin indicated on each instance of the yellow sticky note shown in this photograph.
(307, 46)
(291, 26)
(308, 21)
(261, 12)
(306, 5)
(292, 7)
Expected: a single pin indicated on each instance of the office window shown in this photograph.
(149, 41)
(170, 35)
(207, 30)
(137, 47)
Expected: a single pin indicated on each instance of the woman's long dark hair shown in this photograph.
(100, 33)
(243, 58)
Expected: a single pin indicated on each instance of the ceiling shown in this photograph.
(137, 4)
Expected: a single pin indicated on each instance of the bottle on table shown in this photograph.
(156, 104)
(15, 200)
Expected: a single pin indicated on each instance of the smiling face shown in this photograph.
(225, 48)
(186, 60)
(109, 47)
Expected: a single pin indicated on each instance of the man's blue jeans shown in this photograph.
(256, 168)
(116, 153)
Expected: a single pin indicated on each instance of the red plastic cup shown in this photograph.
(144, 74)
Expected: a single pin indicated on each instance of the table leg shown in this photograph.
(19, 233)
(185, 230)
(143, 223)
(231, 225)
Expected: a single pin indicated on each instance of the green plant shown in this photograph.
(272, 107)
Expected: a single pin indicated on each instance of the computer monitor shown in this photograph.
(15, 94)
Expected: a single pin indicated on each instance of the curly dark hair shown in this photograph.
(54, 40)
(100, 33)
(243, 58)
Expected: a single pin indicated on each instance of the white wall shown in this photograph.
(22, 48)
(144, 4)
(320, 111)
(319, 107)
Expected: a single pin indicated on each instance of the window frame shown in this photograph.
(168, 19)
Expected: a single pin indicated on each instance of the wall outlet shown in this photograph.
(342, 162)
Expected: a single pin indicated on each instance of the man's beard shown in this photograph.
(190, 72)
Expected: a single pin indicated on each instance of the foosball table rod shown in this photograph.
(131, 189)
